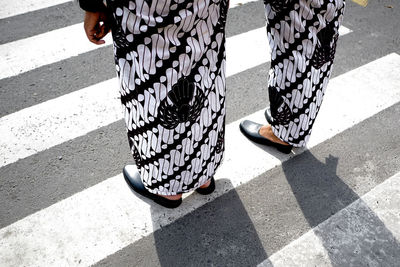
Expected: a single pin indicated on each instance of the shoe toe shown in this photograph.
(131, 174)
(252, 131)
(132, 177)
(250, 128)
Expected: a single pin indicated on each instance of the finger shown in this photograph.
(97, 41)
(100, 32)
(90, 33)
(103, 31)
(96, 35)
(94, 39)
(91, 27)
(95, 27)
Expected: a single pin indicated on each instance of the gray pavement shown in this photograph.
(251, 222)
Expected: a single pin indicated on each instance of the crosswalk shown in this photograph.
(97, 222)
(313, 248)
(12, 8)
(74, 114)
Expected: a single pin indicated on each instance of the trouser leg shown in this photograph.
(170, 60)
(302, 36)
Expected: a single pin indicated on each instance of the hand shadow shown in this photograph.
(320, 193)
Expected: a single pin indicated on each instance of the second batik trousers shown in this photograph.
(302, 36)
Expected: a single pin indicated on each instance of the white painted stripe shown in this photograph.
(37, 128)
(12, 8)
(105, 218)
(60, 44)
(53, 122)
(350, 234)
(71, 41)
(250, 49)
(53, 46)
(237, 3)
(27, 54)
(343, 30)
(247, 50)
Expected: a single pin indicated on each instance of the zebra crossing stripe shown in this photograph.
(55, 121)
(60, 44)
(105, 218)
(50, 47)
(351, 235)
(236, 3)
(14, 8)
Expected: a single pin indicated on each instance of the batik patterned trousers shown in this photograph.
(170, 60)
(302, 35)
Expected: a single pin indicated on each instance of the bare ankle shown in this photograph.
(267, 132)
(206, 184)
(175, 197)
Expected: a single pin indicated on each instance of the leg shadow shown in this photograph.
(320, 193)
(219, 233)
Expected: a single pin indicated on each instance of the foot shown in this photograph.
(207, 188)
(206, 184)
(266, 131)
(175, 197)
(132, 177)
(263, 135)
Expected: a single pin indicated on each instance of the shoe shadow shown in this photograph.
(279, 155)
(211, 230)
(218, 233)
(358, 239)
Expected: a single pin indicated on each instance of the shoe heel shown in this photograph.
(285, 149)
(208, 190)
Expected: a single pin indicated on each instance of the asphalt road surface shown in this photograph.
(63, 145)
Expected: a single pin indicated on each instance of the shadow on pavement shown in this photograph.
(320, 193)
(220, 233)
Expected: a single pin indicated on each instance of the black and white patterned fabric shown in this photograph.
(302, 35)
(170, 60)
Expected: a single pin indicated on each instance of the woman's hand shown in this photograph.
(96, 26)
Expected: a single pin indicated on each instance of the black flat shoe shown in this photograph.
(268, 116)
(208, 190)
(132, 177)
(252, 131)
